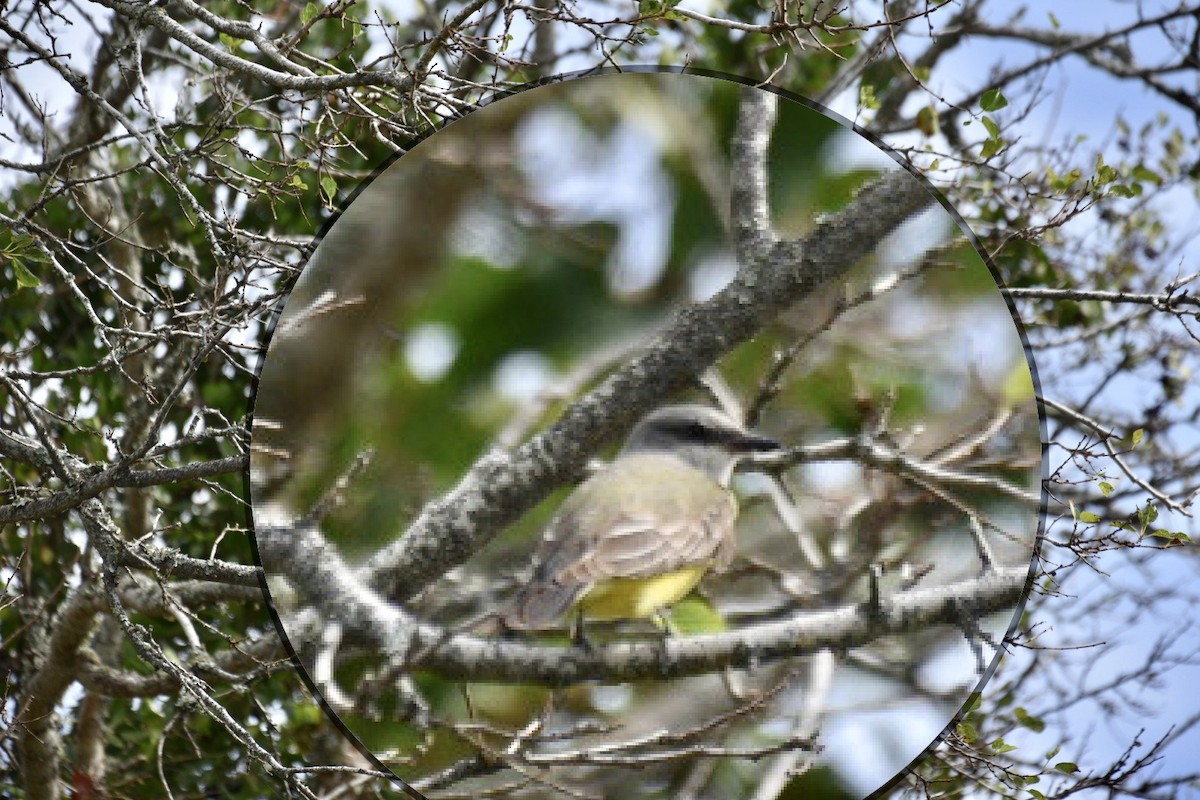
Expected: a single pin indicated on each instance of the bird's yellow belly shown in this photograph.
(634, 598)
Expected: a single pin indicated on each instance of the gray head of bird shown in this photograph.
(703, 437)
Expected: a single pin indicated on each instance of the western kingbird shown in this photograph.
(636, 537)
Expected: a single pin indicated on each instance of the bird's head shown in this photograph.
(702, 436)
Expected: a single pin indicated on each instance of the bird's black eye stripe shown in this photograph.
(690, 430)
(694, 431)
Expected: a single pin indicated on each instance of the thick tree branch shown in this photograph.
(411, 644)
(749, 196)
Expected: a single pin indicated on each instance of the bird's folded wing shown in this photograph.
(641, 547)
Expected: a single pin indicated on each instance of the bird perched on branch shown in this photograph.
(636, 537)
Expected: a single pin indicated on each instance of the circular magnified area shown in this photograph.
(646, 436)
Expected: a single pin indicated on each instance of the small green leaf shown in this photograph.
(309, 12)
(1028, 720)
(695, 615)
(993, 128)
(993, 100)
(25, 278)
(1001, 746)
(1172, 536)
(967, 731)
(1105, 175)
(1037, 794)
(991, 147)
(1067, 181)
(1088, 516)
(1106, 488)
(298, 182)
(1137, 436)
(927, 121)
(232, 42)
(1054, 23)
(1066, 767)
(1144, 173)
(329, 186)
(867, 98)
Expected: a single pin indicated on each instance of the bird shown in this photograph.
(637, 536)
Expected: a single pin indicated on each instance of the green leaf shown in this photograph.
(298, 182)
(1137, 436)
(1001, 746)
(1172, 536)
(1106, 488)
(1088, 516)
(309, 12)
(1105, 175)
(927, 121)
(993, 100)
(967, 731)
(1144, 173)
(1027, 720)
(1066, 181)
(1037, 794)
(650, 8)
(232, 42)
(329, 186)
(867, 98)
(1054, 23)
(1066, 767)
(694, 615)
(993, 128)
(991, 147)
(25, 278)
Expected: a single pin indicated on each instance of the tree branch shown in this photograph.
(409, 643)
